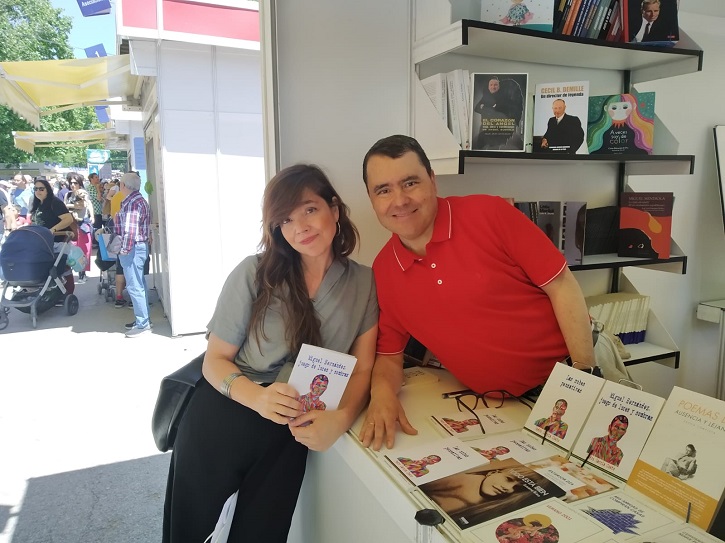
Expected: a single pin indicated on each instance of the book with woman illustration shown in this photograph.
(320, 377)
(490, 491)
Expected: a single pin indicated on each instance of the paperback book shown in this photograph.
(578, 482)
(680, 466)
(560, 115)
(436, 459)
(320, 376)
(653, 23)
(564, 223)
(645, 224)
(490, 491)
(531, 14)
(682, 533)
(498, 111)
(621, 124)
(521, 447)
(474, 424)
(550, 521)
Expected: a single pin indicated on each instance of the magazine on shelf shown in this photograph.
(645, 224)
(560, 117)
(435, 459)
(498, 111)
(621, 124)
(530, 14)
(489, 491)
(654, 23)
(625, 515)
(320, 377)
(681, 464)
(550, 521)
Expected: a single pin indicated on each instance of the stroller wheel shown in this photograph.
(71, 304)
(100, 288)
(4, 320)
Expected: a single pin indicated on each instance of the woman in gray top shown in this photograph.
(244, 428)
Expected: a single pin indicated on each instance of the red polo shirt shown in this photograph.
(475, 299)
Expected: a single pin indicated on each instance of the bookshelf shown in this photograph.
(466, 43)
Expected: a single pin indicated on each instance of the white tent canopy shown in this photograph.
(28, 87)
(28, 141)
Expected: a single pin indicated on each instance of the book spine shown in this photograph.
(624, 4)
(463, 111)
(571, 18)
(606, 22)
(454, 122)
(559, 29)
(598, 20)
(590, 18)
(614, 27)
(582, 17)
(558, 13)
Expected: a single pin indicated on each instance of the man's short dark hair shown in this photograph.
(395, 147)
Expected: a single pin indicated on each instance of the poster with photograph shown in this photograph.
(498, 111)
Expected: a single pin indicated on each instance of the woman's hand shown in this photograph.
(277, 402)
(318, 430)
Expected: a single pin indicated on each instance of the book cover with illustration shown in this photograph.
(578, 482)
(498, 111)
(617, 428)
(320, 376)
(645, 224)
(521, 447)
(530, 14)
(563, 405)
(435, 459)
(625, 516)
(481, 494)
(550, 521)
(561, 111)
(681, 464)
(465, 424)
(621, 124)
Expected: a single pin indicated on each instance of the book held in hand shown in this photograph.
(320, 377)
(645, 224)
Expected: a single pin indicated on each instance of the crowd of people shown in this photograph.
(84, 207)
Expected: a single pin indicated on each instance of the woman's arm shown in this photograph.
(327, 426)
(65, 220)
(276, 402)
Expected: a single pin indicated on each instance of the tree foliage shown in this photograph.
(35, 30)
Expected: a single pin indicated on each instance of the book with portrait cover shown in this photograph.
(530, 14)
(561, 111)
(435, 459)
(466, 425)
(489, 491)
(652, 23)
(320, 376)
(645, 224)
(521, 447)
(498, 111)
(681, 465)
(617, 428)
(550, 521)
(579, 482)
(621, 124)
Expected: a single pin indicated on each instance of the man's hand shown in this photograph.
(318, 430)
(382, 414)
(544, 143)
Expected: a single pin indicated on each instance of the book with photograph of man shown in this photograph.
(681, 465)
(560, 117)
(490, 491)
(498, 111)
(653, 22)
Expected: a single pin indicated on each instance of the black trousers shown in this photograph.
(222, 447)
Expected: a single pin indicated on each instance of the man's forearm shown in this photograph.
(387, 377)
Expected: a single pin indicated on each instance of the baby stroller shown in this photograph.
(106, 262)
(33, 274)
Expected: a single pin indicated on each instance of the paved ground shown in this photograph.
(77, 460)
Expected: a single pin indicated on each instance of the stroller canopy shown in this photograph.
(27, 254)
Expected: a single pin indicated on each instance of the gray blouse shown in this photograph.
(346, 304)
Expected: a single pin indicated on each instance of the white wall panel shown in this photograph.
(187, 73)
(238, 81)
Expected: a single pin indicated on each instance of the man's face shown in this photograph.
(650, 12)
(93, 178)
(403, 195)
(493, 86)
(18, 181)
(558, 107)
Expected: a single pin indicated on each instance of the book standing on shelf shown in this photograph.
(531, 14)
(563, 131)
(498, 106)
(564, 223)
(652, 22)
(437, 90)
(621, 124)
(645, 224)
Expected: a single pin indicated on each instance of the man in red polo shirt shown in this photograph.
(473, 279)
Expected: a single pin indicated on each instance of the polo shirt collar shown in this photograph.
(442, 228)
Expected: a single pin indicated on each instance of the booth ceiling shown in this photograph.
(27, 87)
(28, 141)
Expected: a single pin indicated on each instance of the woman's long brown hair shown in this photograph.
(279, 273)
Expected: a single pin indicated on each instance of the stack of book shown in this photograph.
(451, 95)
(623, 314)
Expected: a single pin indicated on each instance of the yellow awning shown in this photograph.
(28, 141)
(28, 86)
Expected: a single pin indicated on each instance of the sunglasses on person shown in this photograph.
(74, 182)
(38, 189)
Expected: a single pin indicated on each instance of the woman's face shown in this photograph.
(74, 186)
(41, 193)
(619, 111)
(498, 483)
(311, 226)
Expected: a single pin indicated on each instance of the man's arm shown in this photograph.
(573, 317)
(385, 408)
